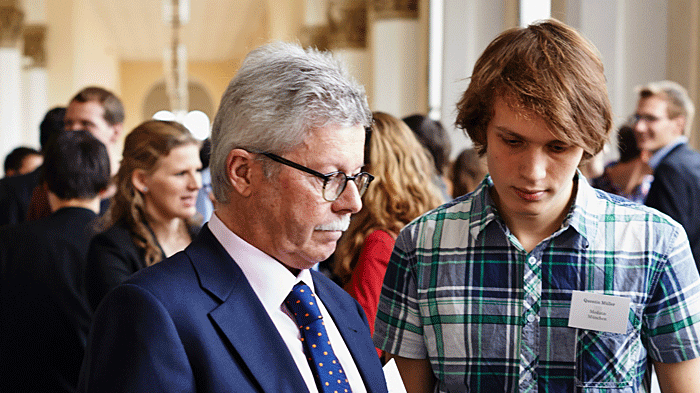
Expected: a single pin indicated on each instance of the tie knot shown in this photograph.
(301, 301)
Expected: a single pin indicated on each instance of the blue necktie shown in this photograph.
(325, 366)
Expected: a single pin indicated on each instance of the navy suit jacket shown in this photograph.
(192, 323)
(676, 192)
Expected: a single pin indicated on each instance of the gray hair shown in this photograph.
(676, 97)
(280, 93)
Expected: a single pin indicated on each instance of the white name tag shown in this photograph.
(603, 313)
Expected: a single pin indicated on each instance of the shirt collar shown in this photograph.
(656, 158)
(581, 217)
(269, 278)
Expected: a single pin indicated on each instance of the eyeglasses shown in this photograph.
(648, 119)
(333, 183)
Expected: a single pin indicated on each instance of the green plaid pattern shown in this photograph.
(461, 291)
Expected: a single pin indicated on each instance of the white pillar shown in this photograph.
(400, 84)
(397, 78)
(36, 102)
(11, 18)
(10, 99)
(34, 83)
(347, 37)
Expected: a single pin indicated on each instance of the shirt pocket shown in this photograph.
(609, 361)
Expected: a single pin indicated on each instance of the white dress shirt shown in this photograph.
(272, 282)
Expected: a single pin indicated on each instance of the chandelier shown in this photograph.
(176, 13)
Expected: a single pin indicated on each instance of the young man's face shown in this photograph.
(654, 129)
(532, 171)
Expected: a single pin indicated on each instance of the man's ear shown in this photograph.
(680, 123)
(117, 131)
(239, 165)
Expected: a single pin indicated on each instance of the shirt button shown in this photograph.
(533, 260)
(531, 318)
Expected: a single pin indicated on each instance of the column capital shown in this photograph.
(394, 9)
(347, 21)
(11, 18)
(34, 45)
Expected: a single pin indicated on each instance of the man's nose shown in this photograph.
(349, 200)
(533, 165)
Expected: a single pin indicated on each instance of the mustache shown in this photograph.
(338, 225)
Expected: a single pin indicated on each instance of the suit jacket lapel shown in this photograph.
(243, 319)
(354, 331)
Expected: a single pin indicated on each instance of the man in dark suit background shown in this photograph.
(16, 191)
(44, 315)
(287, 154)
(663, 120)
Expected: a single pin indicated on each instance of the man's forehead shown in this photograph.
(653, 103)
(91, 106)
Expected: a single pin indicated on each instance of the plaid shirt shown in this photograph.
(461, 291)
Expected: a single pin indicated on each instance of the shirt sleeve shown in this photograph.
(672, 317)
(398, 326)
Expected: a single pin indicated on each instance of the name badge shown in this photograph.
(603, 313)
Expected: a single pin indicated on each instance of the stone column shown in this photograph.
(36, 100)
(400, 86)
(11, 18)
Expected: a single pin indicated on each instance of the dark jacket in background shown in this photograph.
(676, 192)
(44, 315)
(112, 258)
(15, 194)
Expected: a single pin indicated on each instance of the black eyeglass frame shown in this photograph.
(325, 177)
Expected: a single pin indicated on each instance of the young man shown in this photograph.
(536, 281)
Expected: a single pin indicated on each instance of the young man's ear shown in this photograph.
(239, 164)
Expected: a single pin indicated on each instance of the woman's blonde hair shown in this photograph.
(402, 190)
(143, 147)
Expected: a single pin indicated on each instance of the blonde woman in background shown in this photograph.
(152, 215)
(402, 190)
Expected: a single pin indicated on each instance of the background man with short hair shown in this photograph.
(663, 119)
(44, 314)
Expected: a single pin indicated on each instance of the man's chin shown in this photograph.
(328, 236)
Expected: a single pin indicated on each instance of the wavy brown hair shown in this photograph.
(143, 147)
(548, 70)
(402, 190)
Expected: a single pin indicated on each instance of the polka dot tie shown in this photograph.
(329, 376)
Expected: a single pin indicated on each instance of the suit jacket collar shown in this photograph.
(352, 330)
(662, 153)
(242, 318)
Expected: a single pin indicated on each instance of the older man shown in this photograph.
(663, 120)
(222, 316)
